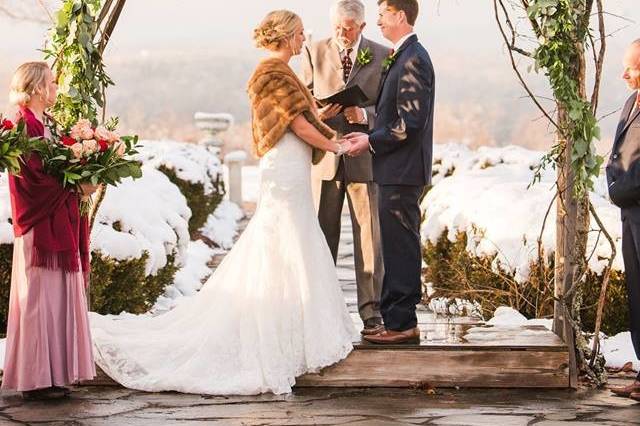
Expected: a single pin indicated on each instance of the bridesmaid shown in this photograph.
(48, 341)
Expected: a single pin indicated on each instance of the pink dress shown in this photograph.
(48, 338)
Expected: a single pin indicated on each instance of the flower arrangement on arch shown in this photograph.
(87, 154)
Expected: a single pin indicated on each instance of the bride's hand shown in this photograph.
(343, 147)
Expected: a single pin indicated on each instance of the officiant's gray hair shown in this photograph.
(353, 9)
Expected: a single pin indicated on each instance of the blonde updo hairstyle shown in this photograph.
(275, 29)
(28, 81)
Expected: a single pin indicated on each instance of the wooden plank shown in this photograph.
(438, 368)
(481, 369)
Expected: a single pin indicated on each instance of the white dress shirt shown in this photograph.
(397, 46)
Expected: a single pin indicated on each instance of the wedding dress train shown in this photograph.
(272, 311)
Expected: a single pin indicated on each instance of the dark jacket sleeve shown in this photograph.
(414, 105)
(624, 190)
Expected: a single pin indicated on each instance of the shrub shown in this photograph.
(201, 204)
(118, 286)
(455, 272)
(6, 257)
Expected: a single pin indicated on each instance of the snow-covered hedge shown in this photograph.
(141, 235)
(481, 227)
(194, 170)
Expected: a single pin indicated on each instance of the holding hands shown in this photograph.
(358, 143)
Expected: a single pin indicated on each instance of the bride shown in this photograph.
(273, 310)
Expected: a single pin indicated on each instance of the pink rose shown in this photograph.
(77, 149)
(89, 147)
(102, 133)
(120, 148)
(82, 130)
(114, 137)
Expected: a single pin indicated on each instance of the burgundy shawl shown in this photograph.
(40, 203)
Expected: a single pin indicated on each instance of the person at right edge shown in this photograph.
(623, 178)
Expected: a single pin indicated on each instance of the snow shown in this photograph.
(618, 350)
(487, 197)
(507, 317)
(153, 216)
(455, 307)
(191, 162)
(235, 156)
(222, 226)
(213, 116)
(188, 280)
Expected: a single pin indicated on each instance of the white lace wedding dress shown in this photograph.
(272, 311)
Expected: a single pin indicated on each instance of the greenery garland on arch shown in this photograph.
(561, 29)
(78, 65)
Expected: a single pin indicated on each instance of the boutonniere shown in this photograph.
(364, 56)
(388, 61)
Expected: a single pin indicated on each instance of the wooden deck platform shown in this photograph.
(454, 352)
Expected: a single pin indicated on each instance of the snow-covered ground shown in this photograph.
(487, 197)
(617, 350)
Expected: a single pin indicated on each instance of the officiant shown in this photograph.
(330, 66)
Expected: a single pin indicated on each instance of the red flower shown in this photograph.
(68, 140)
(104, 145)
(7, 124)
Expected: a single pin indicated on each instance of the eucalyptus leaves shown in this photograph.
(561, 32)
(78, 62)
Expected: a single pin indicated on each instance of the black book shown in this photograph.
(351, 96)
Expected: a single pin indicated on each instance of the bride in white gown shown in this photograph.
(273, 310)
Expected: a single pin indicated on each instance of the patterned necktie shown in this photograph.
(347, 65)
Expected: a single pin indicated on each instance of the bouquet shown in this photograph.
(84, 154)
(13, 143)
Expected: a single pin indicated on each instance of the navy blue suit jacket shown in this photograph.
(402, 137)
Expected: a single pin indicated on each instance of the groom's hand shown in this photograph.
(359, 143)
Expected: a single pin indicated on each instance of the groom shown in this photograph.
(401, 142)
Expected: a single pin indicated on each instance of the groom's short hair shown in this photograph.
(409, 7)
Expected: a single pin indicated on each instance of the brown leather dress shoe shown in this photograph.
(626, 391)
(372, 326)
(390, 337)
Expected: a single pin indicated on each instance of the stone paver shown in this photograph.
(109, 406)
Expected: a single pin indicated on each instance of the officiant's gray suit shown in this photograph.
(348, 176)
